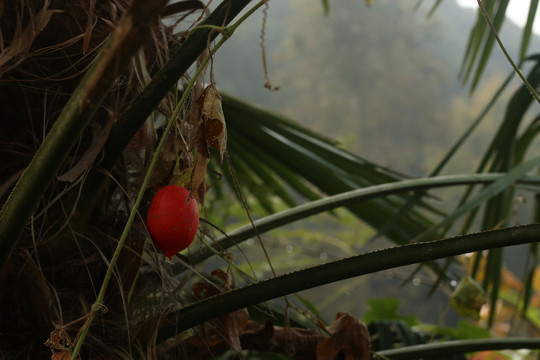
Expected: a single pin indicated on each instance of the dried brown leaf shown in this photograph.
(296, 343)
(214, 120)
(165, 164)
(89, 25)
(348, 336)
(209, 123)
(90, 155)
(59, 342)
(24, 38)
(61, 355)
(202, 156)
(198, 180)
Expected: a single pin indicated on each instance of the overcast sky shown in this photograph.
(517, 11)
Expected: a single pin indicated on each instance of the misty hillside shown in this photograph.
(383, 80)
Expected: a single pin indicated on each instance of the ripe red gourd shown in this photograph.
(172, 219)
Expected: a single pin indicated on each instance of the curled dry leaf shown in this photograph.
(60, 344)
(209, 127)
(198, 174)
(348, 336)
(23, 39)
(164, 167)
(88, 158)
(215, 129)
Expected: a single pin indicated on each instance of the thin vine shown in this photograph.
(98, 304)
(508, 57)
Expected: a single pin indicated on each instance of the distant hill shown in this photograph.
(383, 80)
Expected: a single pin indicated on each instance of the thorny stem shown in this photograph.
(98, 304)
(358, 265)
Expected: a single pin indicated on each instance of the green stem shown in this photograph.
(358, 265)
(98, 304)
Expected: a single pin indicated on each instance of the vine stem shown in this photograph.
(508, 57)
(98, 305)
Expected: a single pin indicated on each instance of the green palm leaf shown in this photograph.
(309, 161)
(481, 40)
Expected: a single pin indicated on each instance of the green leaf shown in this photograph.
(489, 41)
(527, 30)
(326, 6)
(464, 330)
(489, 192)
(441, 165)
(381, 309)
(302, 211)
(474, 43)
(434, 8)
(304, 155)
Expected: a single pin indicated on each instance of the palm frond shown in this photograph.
(527, 30)
(310, 164)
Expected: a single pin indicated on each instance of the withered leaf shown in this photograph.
(165, 164)
(61, 355)
(214, 119)
(88, 158)
(198, 174)
(349, 336)
(468, 298)
(23, 39)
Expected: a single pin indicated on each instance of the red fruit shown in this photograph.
(172, 219)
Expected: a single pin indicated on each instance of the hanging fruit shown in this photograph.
(173, 219)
